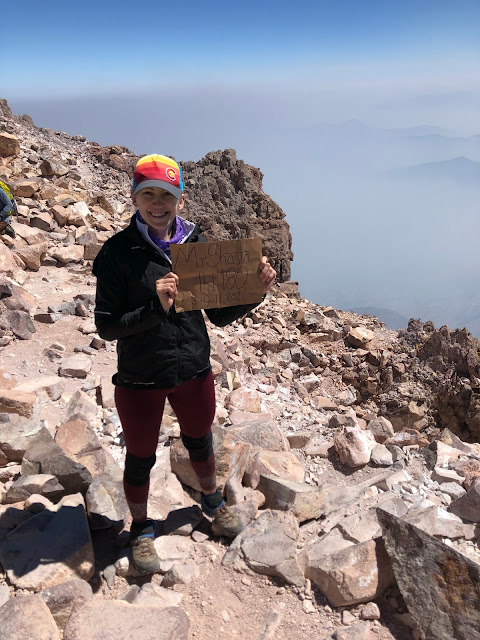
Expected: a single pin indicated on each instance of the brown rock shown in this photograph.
(359, 337)
(7, 381)
(66, 255)
(359, 573)
(244, 400)
(303, 500)
(9, 145)
(19, 402)
(21, 324)
(26, 188)
(33, 255)
(261, 432)
(354, 446)
(282, 464)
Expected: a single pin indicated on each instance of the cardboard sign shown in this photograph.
(217, 274)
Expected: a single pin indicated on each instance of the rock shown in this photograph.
(51, 167)
(35, 503)
(359, 573)
(381, 456)
(468, 505)
(312, 554)
(155, 596)
(21, 403)
(27, 617)
(8, 266)
(181, 574)
(61, 598)
(43, 484)
(231, 456)
(78, 440)
(440, 586)
(61, 214)
(81, 404)
(268, 546)
(32, 255)
(261, 433)
(370, 611)
(50, 386)
(9, 145)
(320, 402)
(21, 324)
(15, 434)
(7, 381)
(359, 337)
(381, 429)
(77, 366)
(15, 297)
(354, 446)
(440, 523)
(107, 390)
(166, 493)
(48, 549)
(303, 500)
(26, 188)
(360, 631)
(67, 255)
(106, 504)
(282, 464)
(244, 399)
(119, 620)
(299, 439)
(4, 594)
(44, 455)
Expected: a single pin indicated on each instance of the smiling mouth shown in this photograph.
(158, 215)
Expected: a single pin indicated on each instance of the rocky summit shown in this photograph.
(349, 451)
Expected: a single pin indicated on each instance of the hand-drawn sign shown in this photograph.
(217, 274)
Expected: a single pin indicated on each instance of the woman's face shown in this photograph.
(158, 208)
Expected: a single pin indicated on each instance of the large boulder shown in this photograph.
(440, 586)
(49, 548)
(120, 620)
(268, 546)
(27, 616)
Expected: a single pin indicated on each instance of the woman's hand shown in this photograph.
(167, 290)
(266, 274)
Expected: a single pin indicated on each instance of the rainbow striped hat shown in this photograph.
(158, 171)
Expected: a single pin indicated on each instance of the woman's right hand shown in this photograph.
(167, 290)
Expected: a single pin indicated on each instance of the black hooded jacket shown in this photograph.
(156, 350)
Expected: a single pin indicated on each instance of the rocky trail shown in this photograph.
(349, 451)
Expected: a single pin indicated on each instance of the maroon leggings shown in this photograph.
(141, 413)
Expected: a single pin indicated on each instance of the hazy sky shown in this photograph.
(278, 80)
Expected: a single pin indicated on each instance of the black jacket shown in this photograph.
(156, 350)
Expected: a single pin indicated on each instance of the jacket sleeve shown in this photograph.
(111, 318)
(5, 204)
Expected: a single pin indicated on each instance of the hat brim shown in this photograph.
(160, 184)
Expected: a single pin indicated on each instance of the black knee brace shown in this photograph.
(137, 470)
(199, 449)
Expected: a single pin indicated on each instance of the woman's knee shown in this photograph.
(199, 449)
(137, 469)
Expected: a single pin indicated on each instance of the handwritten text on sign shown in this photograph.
(217, 274)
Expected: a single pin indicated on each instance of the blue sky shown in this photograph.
(102, 47)
(276, 79)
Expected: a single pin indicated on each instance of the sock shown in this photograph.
(137, 500)
(213, 500)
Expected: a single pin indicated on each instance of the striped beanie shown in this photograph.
(158, 171)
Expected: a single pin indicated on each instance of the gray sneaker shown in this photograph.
(144, 555)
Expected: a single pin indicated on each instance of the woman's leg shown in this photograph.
(140, 413)
(194, 406)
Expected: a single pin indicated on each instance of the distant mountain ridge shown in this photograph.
(459, 169)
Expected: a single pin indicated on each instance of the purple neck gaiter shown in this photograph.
(178, 235)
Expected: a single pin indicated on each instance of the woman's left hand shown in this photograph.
(266, 273)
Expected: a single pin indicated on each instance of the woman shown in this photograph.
(161, 353)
